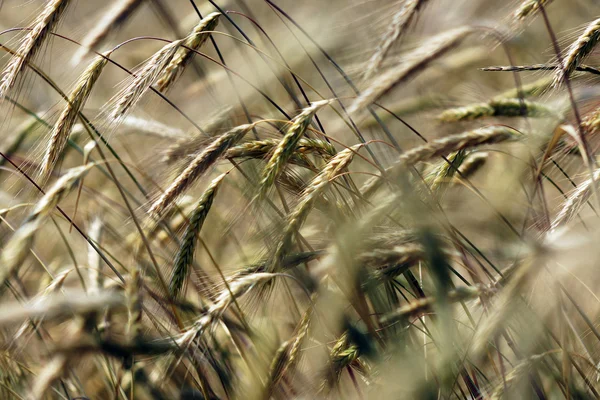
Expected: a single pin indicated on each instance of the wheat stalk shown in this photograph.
(184, 55)
(75, 102)
(39, 30)
(198, 166)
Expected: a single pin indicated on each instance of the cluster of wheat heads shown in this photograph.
(238, 199)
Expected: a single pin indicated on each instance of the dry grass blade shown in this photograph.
(42, 26)
(76, 101)
(400, 21)
(115, 16)
(579, 50)
(185, 254)
(415, 63)
(288, 144)
(17, 248)
(184, 55)
(143, 79)
(198, 166)
(489, 135)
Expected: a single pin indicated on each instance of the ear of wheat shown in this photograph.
(115, 16)
(415, 63)
(145, 77)
(493, 134)
(400, 21)
(286, 147)
(579, 51)
(185, 254)
(18, 246)
(76, 101)
(42, 26)
(184, 55)
(198, 166)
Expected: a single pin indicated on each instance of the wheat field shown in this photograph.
(278, 199)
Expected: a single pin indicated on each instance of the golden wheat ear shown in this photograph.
(579, 51)
(288, 144)
(16, 249)
(75, 103)
(400, 21)
(144, 78)
(184, 55)
(415, 63)
(201, 163)
(110, 21)
(36, 35)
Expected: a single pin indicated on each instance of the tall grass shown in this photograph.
(282, 199)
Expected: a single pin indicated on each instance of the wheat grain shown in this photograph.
(288, 354)
(578, 51)
(17, 248)
(573, 204)
(529, 8)
(311, 193)
(96, 275)
(500, 107)
(236, 288)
